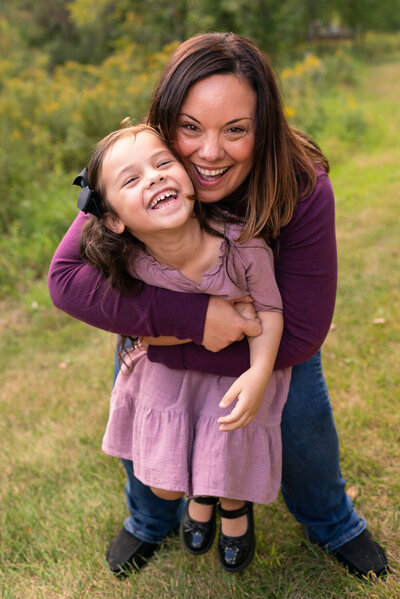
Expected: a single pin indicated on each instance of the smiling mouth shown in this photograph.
(208, 174)
(163, 199)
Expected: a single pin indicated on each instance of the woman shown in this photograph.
(257, 166)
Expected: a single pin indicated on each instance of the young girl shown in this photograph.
(147, 226)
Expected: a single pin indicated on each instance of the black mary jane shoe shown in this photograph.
(236, 553)
(197, 537)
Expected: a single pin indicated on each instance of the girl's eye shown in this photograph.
(165, 162)
(130, 180)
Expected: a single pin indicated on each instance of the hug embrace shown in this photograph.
(211, 238)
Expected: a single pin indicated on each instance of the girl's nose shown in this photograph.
(211, 148)
(154, 177)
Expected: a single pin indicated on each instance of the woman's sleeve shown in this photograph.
(78, 289)
(306, 273)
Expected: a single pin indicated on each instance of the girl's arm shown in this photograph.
(249, 388)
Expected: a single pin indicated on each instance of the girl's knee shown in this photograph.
(170, 495)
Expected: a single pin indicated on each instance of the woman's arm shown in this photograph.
(306, 273)
(78, 289)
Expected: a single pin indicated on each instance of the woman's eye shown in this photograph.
(236, 130)
(189, 127)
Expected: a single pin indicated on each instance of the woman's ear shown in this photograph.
(114, 223)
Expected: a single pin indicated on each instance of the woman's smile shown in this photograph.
(215, 135)
(208, 176)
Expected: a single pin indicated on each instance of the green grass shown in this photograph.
(62, 500)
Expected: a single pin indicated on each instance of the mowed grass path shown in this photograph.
(62, 500)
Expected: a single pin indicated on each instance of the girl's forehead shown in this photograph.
(139, 140)
(134, 149)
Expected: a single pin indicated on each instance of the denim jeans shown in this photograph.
(312, 484)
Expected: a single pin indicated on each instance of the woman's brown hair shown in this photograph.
(284, 158)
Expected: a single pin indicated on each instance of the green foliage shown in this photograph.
(319, 96)
(363, 15)
(71, 70)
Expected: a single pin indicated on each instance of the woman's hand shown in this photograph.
(225, 324)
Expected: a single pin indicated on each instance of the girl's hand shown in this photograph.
(224, 325)
(246, 309)
(249, 390)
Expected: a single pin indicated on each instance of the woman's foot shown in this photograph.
(236, 550)
(198, 524)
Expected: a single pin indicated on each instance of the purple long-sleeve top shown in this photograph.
(306, 273)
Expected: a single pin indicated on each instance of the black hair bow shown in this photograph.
(88, 200)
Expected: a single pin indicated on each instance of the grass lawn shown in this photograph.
(62, 500)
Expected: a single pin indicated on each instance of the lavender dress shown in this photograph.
(166, 420)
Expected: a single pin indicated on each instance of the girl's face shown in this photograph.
(215, 134)
(146, 185)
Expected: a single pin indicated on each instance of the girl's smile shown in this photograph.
(216, 133)
(147, 187)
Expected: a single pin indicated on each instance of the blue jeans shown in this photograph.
(312, 484)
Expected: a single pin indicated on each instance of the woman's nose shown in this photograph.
(211, 148)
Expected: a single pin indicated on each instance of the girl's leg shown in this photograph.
(233, 527)
(197, 533)
(202, 512)
(151, 518)
(168, 495)
(236, 542)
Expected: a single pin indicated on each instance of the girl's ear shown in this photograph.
(114, 223)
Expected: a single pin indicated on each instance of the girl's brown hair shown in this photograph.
(110, 252)
(284, 158)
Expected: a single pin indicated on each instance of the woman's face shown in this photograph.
(215, 134)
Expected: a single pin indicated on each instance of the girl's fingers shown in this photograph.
(236, 415)
(245, 299)
(229, 397)
(237, 423)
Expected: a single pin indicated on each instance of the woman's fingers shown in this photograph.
(224, 325)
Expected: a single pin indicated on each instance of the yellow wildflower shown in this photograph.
(15, 134)
(290, 111)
